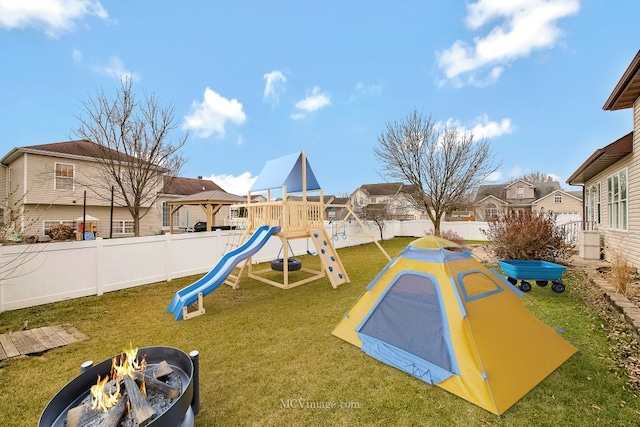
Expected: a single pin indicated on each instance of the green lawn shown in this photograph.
(267, 357)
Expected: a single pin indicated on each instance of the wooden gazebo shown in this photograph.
(209, 201)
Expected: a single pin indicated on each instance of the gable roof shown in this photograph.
(382, 189)
(573, 194)
(78, 149)
(601, 159)
(628, 88)
(541, 189)
(187, 186)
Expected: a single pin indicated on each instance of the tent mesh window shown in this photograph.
(409, 317)
(477, 285)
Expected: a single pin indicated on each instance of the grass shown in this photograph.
(267, 357)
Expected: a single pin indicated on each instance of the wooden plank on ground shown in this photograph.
(62, 332)
(8, 346)
(26, 342)
(44, 338)
(55, 338)
(3, 355)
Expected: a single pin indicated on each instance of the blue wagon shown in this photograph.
(539, 271)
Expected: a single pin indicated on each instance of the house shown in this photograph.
(521, 196)
(610, 178)
(64, 183)
(395, 197)
(337, 210)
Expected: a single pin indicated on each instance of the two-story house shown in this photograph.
(64, 183)
(521, 196)
(610, 178)
(395, 197)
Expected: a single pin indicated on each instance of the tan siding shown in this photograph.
(569, 204)
(628, 241)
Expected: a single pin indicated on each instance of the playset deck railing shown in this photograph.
(291, 216)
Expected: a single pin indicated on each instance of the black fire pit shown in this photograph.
(181, 411)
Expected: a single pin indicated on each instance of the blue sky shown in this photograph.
(257, 80)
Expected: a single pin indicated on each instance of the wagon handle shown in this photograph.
(552, 250)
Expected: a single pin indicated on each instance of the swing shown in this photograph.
(293, 263)
(308, 251)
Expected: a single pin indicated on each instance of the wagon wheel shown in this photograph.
(558, 286)
(294, 264)
(525, 286)
(512, 280)
(541, 282)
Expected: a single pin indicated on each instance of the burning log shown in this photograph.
(142, 411)
(157, 385)
(115, 414)
(82, 415)
(162, 369)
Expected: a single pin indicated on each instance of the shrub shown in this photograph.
(452, 236)
(60, 232)
(526, 236)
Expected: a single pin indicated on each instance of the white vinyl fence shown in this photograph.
(49, 272)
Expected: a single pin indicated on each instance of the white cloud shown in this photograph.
(115, 68)
(298, 116)
(211, 115)
(523, 27)
(482, 127)
(314, 101)
(53, 17)
(494, 177)
(239, 185)
(274, 86)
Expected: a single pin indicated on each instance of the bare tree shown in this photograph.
(444, 164)
(135, 151)
(536, 176)
(377, 213)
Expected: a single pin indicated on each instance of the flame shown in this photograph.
(124, 365)
(102, 399)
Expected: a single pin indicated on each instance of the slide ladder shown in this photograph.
(217, 275)
(329, 257)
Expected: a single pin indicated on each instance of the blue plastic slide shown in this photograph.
(218, 274)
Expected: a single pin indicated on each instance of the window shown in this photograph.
(519, 192)
(490, 211)
(64, 174)
(122, 226)
(166, 210)
(617, 200)
(592, 204)
(557, 198)
(598, 209)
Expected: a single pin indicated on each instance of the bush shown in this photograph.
(526, 236)
(451, 236)
(60, 232)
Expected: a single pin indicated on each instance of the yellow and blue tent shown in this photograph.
(438, 314)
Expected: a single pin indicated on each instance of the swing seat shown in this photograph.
(294, 264)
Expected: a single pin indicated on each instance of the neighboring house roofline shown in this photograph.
(76, 149)
(553, 193)
(601, 159)
(491, 196)
(628, 88)
(511, 184)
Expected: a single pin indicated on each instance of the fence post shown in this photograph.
(99, 266)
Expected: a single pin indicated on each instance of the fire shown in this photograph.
(103, 394)
(102, 399)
